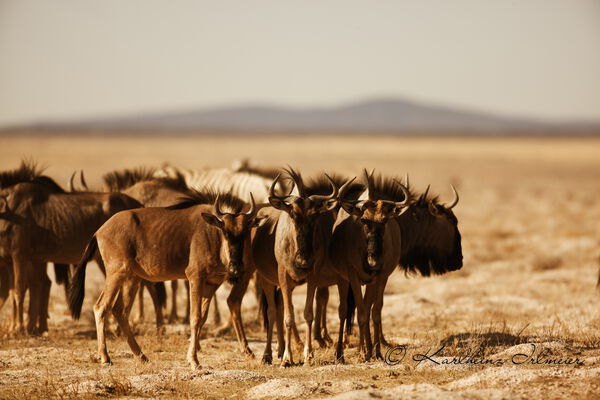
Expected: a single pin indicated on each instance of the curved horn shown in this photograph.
(455, 201)
(71, 182)
(345, 186)
(218, 212)
(272, 188)
(333, 195)
(83, 182)
(297, 180)
(407, 196)
(252, 206)
(406, 180)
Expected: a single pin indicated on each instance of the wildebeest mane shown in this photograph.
(320, 185)
(386, 188)
(116, 181)
(27, 172)
(208, 195)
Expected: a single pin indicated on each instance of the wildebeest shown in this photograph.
(238, 183)
(143, 185)
(362, 246)
(193, 240)
(42, 223)
(429, 243)
(301, 236)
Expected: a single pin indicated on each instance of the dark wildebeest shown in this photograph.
(191, 240)
(362, 246)
(300, 234)
(429, 243)
(43, 223)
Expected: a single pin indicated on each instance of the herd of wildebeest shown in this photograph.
(210, 226)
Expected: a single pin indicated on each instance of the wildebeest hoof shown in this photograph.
(106, 363)
(340, 360)
(286, 364)
(144, 359)
(267, 359)
(321, 343)
(248, 352)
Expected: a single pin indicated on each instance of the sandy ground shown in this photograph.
(524, 309)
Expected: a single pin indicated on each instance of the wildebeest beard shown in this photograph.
(235, 269)
(431, 260)
(373, 258)
(303, 259)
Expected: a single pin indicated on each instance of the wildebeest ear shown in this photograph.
(259, 221)
(212, 220)
(350, 208)
(278, 203)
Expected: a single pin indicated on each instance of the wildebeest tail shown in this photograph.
(61, 271)
(350, 311)
(161, 294)
(77, 289)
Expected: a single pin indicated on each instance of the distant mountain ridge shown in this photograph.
(390, 116)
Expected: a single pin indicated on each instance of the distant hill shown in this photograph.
(389, 116)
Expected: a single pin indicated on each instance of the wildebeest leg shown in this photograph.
(186, 318)
(288, 308)
(120, 309)
(322, 297)
(173, 315)
(103, 305)
(21, 270)
(271, 306)
(34, 285)
(377, 307)
(140, 314)
(311, 287)
(299, 343)
(216, 312)
(157, 306)
(5, 282)
(369, 299)
(46, 284)
(234, 302)
(343, 288)
(201, 294)
(362, 317)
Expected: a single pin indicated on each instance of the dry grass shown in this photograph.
(531, 240)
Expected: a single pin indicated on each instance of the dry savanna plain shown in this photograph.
(521, 319)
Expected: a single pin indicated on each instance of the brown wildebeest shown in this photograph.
(43, 223)
(362, 246)
(143, 185)
(301, 235)
(192, 240)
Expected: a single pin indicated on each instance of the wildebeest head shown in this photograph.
(235, 227)
(431, 241)
(373, 214)
(304, 210)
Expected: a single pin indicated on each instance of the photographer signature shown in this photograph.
(544, 356)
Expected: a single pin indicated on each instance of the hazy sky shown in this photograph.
(72, 59)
